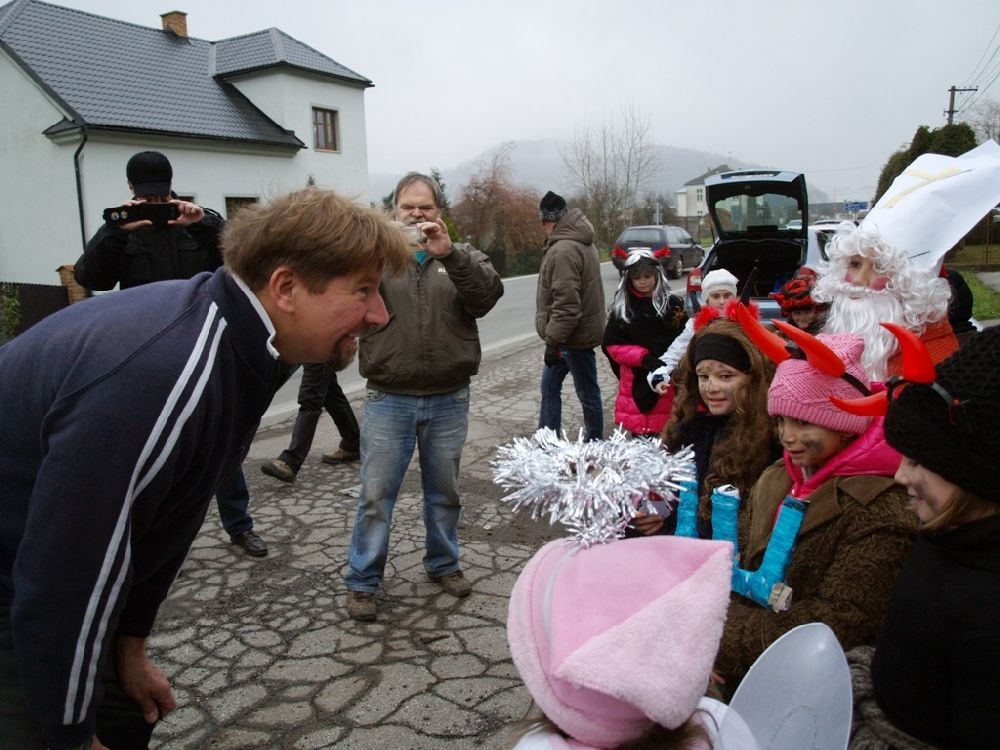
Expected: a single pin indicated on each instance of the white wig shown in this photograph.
(922, 294)
(621, 304)
(913, 296)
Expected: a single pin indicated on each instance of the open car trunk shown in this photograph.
(761, 265)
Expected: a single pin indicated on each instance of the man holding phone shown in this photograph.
(133, 253)
(138, 252)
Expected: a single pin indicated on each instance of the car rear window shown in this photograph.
(741, 213)
(646, 236)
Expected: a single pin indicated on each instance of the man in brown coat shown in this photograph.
(569, 314)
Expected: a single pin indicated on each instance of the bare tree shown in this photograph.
(612, 164)
(985, 119)
(501, 218)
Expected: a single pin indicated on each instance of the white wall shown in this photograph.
(40, 228)
(288, 97)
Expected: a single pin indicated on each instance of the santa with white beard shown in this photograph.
(869, 281)
(888, 268)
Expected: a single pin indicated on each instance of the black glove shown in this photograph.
(552, 355)
(651, 363)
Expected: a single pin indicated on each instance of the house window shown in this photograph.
(699, 194)
(233, 205)
(325, 129)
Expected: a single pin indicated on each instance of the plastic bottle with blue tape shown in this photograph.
(766, 586)
(687, 509)
(725, 515)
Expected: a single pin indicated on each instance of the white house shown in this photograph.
(691, 197)
(240, 119)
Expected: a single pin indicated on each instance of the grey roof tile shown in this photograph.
(120, 76)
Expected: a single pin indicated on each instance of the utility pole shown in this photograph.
(950, 112)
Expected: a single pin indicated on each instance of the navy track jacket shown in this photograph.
(118, 417)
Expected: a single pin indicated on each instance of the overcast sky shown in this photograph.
(829, 89)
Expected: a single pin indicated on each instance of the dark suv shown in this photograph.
(672, 245)
(760, 217)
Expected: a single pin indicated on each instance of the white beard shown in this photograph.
(860, 310)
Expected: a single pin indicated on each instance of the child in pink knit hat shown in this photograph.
(610, 661)
(856, 531)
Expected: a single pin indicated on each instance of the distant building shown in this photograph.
(240, 119)
(691, 197)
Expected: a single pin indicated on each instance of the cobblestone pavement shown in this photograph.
(261, 653)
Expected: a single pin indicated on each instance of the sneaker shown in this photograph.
(252, 544)
(279, 470)
(454, 583)
(361, 605)
(339, 456)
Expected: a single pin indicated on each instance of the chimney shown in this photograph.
(175, 21)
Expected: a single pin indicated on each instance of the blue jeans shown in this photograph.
(393, 425)
(583, 365)
(233, 499)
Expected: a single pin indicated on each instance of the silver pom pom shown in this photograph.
(593, 488)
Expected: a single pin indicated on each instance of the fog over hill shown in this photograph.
(540, 165)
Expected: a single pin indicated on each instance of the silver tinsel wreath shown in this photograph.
(593, 488)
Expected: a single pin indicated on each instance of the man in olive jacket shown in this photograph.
(569, 314)
(418, 367)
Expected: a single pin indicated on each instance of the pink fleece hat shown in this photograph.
(801, 391)
(618, 636)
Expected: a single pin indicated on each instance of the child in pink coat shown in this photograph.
(644, 320)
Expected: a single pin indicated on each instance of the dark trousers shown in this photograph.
(233, 499)
(320, 390)
(120, 724)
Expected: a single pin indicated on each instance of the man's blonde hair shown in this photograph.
(316, 233)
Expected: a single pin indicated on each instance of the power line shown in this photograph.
(972, 76)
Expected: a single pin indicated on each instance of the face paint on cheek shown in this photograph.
(879, 284)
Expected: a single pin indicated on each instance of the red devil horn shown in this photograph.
(875, 405)
(820, 356)
(770, 344)
(918, 367)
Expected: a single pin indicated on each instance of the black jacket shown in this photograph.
(156, 253)
(936, 669)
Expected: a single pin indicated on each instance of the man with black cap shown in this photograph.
(140, 252)
(569, 314)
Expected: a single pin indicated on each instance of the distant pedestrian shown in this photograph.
(418, 367)
(569, 314)
(121, 416)
(318, 390)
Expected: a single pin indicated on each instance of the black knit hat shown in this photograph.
(552, 207)
(956, 433)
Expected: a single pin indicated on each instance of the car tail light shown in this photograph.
(694, 280)
(663, 252)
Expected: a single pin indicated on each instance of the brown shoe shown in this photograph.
(361, 605)
(339, 456)
(279, 470)
(454, 583)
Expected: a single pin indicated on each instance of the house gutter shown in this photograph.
(79, 187)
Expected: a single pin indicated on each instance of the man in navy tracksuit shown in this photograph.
(121, 415)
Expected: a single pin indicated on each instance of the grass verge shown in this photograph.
(985, 301)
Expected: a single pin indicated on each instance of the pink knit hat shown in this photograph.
(618, 636)
(801, 391)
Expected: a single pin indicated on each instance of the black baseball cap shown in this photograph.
(150, 173)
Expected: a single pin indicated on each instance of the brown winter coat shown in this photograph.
(569, 303)
(855, 537)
